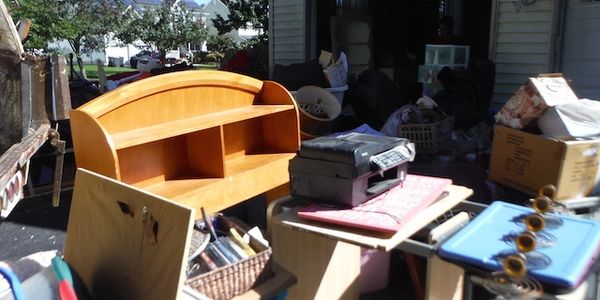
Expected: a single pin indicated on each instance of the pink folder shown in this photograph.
(388, 212)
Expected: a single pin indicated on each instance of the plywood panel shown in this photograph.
(155, 161)
(205, 152)
(126, 243)
(280, 138)
(326, 269)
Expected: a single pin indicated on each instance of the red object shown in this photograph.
(118, 76)
(237, 63)
(65, 290)
(388, 212)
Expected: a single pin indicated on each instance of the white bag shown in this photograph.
(575, 119)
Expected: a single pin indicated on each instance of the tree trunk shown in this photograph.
(81, 68)
(163, 57)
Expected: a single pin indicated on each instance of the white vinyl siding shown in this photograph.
(581, 53)
(521, 44)
(287, 32)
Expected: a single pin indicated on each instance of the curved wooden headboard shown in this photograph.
(159, 100)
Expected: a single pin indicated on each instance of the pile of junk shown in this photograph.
(454, 121)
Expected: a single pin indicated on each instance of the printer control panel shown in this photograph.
(391, 158)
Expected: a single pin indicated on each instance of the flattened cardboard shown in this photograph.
(526, 162)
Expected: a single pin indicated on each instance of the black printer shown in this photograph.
(349, 169)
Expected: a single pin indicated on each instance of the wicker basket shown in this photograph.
(235, 279)
(427, 137)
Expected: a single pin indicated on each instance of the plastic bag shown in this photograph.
(571, 120)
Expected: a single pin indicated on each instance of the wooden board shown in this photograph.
(126, 243)
(445, 281)
(374, 240)
(178, 127)
(326, 268)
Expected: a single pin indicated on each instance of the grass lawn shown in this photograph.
(92, 70)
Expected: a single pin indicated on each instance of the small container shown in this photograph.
(318, 108)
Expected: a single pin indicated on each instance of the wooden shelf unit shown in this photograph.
(203, 138)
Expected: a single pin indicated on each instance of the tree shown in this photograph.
(243, 13)
(165, 27)
(83, 23)
(219, 46)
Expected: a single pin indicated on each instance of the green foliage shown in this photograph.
(83, 23)
(258, 57)
(242, 13)
(219, 46)
(165, 27)
(92, 70)
(221, 43)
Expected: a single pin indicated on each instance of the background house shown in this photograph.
(117, 49)
(210, 11)
(522, 37)
(202, 10)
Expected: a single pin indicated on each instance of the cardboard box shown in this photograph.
(526, 162)
(335, 71)
(533, 98)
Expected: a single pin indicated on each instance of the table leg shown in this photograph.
(445, 281)
(325, 268)
(413, 271)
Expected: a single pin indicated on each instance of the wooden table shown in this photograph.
(325, 257)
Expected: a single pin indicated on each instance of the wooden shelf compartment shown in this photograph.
(248, 175)
(264, 135)
(165, 130)
(194, 155)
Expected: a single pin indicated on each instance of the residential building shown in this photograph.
(522, 37)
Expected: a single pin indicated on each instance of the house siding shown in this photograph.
(287, 34)
(580, 56)
(522, 44)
